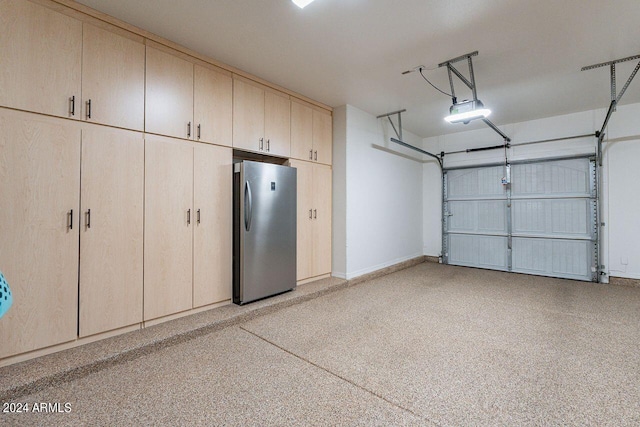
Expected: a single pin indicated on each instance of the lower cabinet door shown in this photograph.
(39, 221)
(321, 220)
(168, 227)
(111, 229)
(213, 225)
(304, 255)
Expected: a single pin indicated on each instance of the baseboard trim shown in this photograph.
(387, 270)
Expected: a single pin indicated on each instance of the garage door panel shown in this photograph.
(476, 183)
(478, 251)
(552, 257)
(482, 216)
(570, 218)
(565, 178)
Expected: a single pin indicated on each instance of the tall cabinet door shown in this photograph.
(213, 106)
(322, 220)
(169, 94)
(248, 116)
(112, 79)
(41, 54)
(213, 226)
(168, 255)
(111, 229)
(277, 124)
(304, 219)
(39, 202)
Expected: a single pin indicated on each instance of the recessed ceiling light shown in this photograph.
(301, 3)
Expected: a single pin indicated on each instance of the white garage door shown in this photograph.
(544, 223)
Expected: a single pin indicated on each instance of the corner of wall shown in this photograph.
(339, 201)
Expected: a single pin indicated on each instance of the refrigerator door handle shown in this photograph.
(248, 209)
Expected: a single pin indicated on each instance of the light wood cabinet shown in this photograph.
(113, 78)
(111, 229)
(322, 137)
(168, 227)
(213, 226)
(261, 119)
(41, 54)
(213, 106)
(322, 220)
(304, 220)
(301, 131)
(311, 133)
(277, 124)
(188, 225)
(169, 94)
(39, 224)
(314, 219)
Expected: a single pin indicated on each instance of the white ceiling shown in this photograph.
(353, 51)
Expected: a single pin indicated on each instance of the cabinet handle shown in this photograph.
(70, 219)
(315, 214)
(88, 218)
(261, 143)
(310, 213)
(310, 154)
(316, 155)
(72, 105)
(199, 131)
(268, 141)
(198, 216)
(88, 109)
(188, 216)
(189, 130)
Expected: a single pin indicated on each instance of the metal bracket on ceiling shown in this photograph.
(399, 140)
(398, 131)
(451, 69)
(615, 97)
(470, 83)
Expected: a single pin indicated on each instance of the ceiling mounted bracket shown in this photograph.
(398, 131)
(399, 140)
(470, 83)
(615, 97)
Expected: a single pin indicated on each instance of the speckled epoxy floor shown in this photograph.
(429, 345)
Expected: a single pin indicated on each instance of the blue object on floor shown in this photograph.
(5, 295)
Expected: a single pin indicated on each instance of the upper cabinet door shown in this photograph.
(322, 137)
(277, 124)
(112, 79)
(213, 106)
(169, 100)
(41, 54)
(248, 116)
(301, 131)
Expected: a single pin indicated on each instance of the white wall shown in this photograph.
(377, 195)
(620, 191)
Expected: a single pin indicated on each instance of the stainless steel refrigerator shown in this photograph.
(264, 237)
